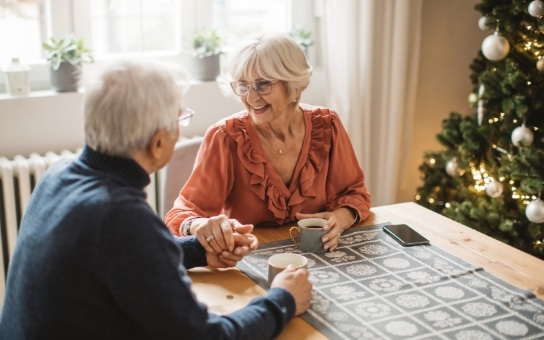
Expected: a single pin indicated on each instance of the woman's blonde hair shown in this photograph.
(272, 57)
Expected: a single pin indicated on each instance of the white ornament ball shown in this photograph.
(483, 24)
(494, 189)
(536, 8)
(540, 65)
(452, 168)
(522, 136)
(495, 47)
(535, 211)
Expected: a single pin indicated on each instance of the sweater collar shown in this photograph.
(125, 168)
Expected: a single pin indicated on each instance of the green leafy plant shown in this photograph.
(66, 49)
(205, 43)
(303, 38)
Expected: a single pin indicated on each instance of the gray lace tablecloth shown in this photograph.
(373, 288)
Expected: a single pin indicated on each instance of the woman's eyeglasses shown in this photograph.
(186, 116)
(261, 87)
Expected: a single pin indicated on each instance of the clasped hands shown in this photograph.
(225, 240)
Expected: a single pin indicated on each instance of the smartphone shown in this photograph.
(405, 235)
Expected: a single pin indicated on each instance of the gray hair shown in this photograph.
(272, 56)
(128, 101)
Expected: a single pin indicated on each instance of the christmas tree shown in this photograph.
(490, 175)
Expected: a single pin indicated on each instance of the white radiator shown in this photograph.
(18, 177)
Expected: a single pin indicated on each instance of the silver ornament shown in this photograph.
(522, 136)
(483, 23)
(495, 47)
(481, 111)
(536, 8)
(535, 211)
(540, 65)
(452, 168)
(481, 90)
(494, 189)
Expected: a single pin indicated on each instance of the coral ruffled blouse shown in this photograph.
(233, 176)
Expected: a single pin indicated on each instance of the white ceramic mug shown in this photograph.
(278, 262)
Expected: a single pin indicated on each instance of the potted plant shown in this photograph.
(65, 56)
(206, 48)
(302, 38)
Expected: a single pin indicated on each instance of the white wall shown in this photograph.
(50, 121)
(450, 41)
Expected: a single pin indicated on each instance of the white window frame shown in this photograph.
(74, 16)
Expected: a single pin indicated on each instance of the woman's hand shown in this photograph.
(216, 234)
(337, 221)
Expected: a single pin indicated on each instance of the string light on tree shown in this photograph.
(536, 8)
(472, 99)
(522, 136)
(535, 211)
(495, 47)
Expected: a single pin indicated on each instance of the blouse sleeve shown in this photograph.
(345, 185)
(207, 188)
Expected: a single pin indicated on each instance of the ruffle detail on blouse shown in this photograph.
(318, 153)
(255, 163)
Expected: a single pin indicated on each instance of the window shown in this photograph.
(236, 18)
(28, 20)
(159, 28)
(128, 26)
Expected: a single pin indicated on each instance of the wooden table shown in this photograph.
(225, 291)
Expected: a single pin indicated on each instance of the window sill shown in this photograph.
(37, 94)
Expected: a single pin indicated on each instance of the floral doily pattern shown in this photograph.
(370, 287)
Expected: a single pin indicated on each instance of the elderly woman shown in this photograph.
(274, 162)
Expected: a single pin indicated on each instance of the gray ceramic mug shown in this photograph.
(307, 236)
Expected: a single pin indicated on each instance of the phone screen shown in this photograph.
(405, 235)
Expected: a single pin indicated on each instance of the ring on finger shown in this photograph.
(210, 238)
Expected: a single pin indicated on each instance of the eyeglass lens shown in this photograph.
(261, 87)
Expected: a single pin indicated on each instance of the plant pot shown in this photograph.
(66, 77)
(206, 68)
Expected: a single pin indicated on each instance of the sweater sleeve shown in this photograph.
(194, 255)
(346, 185)
(264, 317)
(144, 273)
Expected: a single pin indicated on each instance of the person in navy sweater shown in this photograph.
(94, 261)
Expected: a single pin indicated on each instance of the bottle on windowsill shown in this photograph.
(17, 78)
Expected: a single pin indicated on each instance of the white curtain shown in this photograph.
(370, 59)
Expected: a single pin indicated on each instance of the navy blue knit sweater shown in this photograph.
(93, 261)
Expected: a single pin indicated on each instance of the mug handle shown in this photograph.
(294, 238)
